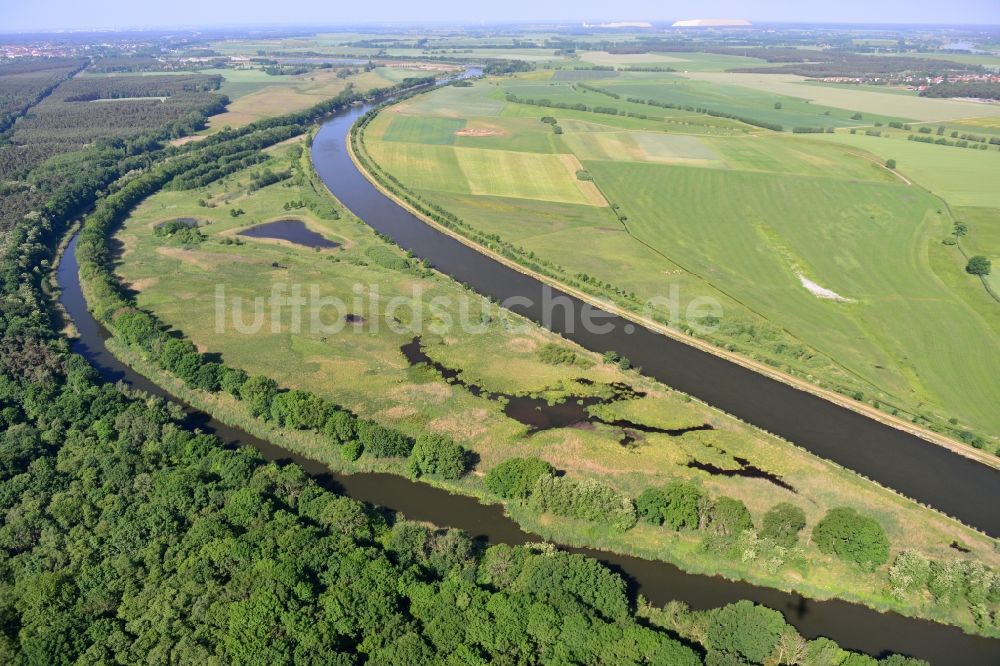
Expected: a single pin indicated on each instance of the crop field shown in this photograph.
(825, 262)
(256, 94)
(360, 366)
(874, 104)
(720, 94)
(963, 177)
(685, 62)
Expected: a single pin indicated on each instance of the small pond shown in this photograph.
(293, 231)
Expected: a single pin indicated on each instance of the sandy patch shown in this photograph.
(144, 283)
(399, 412)
(522, 344)
(433, 393)
(822, 292)
(481, 131)
(463, 425)
(187, 139)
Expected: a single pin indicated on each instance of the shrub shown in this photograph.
(852, 537)
(258, 392)
(729, 517)
(515, 478)
(783, 522)
(890, 163)
(340, 426)
(231, 380)
(946, 581)
(352, 450)
(978, 265)
(910, 571)
(383, 442)
(437, 455)
(299, 409)
(554, 354)
(587, 499)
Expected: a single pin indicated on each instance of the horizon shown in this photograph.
(121, 16)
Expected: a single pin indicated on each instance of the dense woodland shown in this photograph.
(24, 83)
(59, 122)
(979, 89)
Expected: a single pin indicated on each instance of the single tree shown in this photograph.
(979, 265)
(783, 522)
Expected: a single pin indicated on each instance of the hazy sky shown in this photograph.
(77, 14)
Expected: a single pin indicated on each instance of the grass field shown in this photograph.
(876, 105)
(727, 93)
(361, 367)
(744, 217)
(687, 62)
(256, 94)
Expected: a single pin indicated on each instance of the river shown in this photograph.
(919, 469)
(852, 626)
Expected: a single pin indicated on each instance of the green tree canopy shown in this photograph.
(437, 455)
(783, 522)
(979, 265)
(745, 629)
(852, 537)
(515, 478)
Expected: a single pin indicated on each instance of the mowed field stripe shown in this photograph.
(505, 173)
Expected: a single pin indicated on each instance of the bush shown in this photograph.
(910, 571)
(299, 409)
(729, 517)
(383, 442)
(515, 478)
(437, 455)
(678, 505)
(340, 426)
(586, 499)
(852, 537)
(783, 522)
(258, 392)
(231, 380)
(979, 265)
(745, 629)
(554, 354)
(890, 164)
(352, 450)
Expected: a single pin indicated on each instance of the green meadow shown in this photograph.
(826, 264)
(360, 366)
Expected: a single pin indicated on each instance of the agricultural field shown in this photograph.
(684, 62)
(880, 105)
(256, 94)
(359, 364)
(826, 263)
